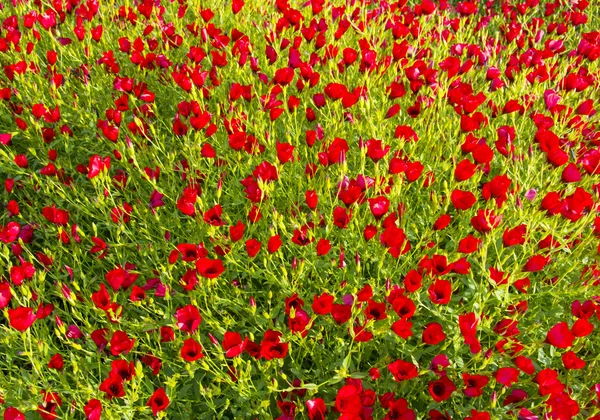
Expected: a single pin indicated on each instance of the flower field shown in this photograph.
(299, 209)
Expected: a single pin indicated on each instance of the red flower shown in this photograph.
(462, 200)
(316, 409)
(274, 244)
(403, 371)
(402, 328)
(271, 347)
(93, 409)
(322, 305)
(21, 318)
(252, 247)
(191, 350)
(210, 268)
(560, 336)
(213, 216)
(113, 386)
(548, 382)
(572, 361)
(188, 318)
(121, 343)
(507, 376)
(11, 413)
(159, 401)
(233, 344)
(56, 362)
(440, 292)
(348, 401)
(441, 389)
(474, 384)
(433, 334)
(379, 206)
(323, 247)
(123, 368)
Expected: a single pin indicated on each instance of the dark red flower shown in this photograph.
(433, 334)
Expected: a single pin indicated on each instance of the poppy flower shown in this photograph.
(323, 304)
(113, 386)
(233, 344)
(316, 409)
(560, 336)
(120, 343)
(159, 401)
(188, 318)
(209, 269)
(191, 350)
(21, 318)
(433, 334)
(348, 401)
(440, 292)
(474, 384)
(271, 346)
(507, 376)
(403, 371)
(441, 389)
(93, 409)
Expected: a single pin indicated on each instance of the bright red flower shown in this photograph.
(433, 334)
(21, 318)
(403, 371)
(120, 343)
(93, 409)
(210, 269)
(348, 401)
(191, 350)
(474, 384)
(441, 389)
(316, 409)
(440, 292)
(188, 318)
(159, 401)
(560, 336)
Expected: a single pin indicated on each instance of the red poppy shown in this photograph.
(440, 292)
(233, 344)
(159, 401)
(323, 304)
(191, 350)
(560, 336)
(348, 401)
(21, 318)
(474, 384)
(433, 334)
(209, 268)
(93, 409)
(441, 389)
(403, 371)
(316, 409)
(188, 318)
(121, 343)
(113, 386)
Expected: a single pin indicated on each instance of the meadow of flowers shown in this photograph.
(359, 209)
